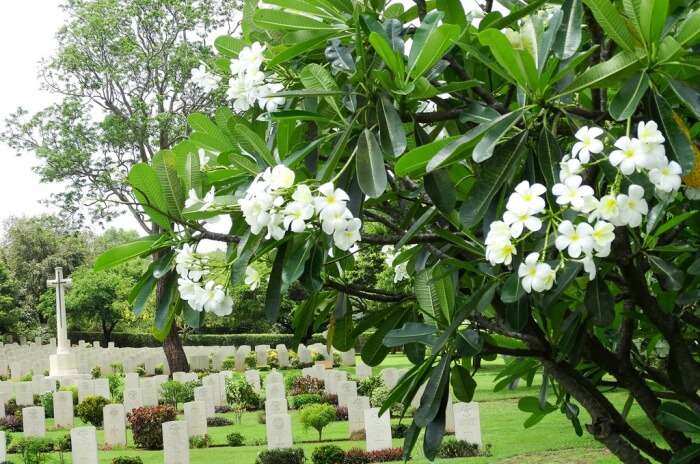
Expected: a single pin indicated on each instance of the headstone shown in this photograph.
(176, 443)
(356, 417)
(348, 357)
(261, 355)
(24, 394)
(199, 362)
(83, 445)
(63, 409)
(114, 425)
(282, 355)
(212, 383)
(449, 415)
(86, 387)
(3, 440)
(253, 378)
(240, 358)
(110, 345)
(304, 355)
(149, 391)
(196, 418)
(274, 391)
(377, 430)
(101, 388)
(274, 377)
(390, 376)
(275, 406)
(202, 394)
(131, 380)
(132, 399)
(467, 422)
(279, 431)
(33, 421)
(347, 391)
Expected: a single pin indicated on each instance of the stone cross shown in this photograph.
(61, 284)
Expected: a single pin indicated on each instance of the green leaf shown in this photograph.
(568, 37)
(494, 174)
(228, 46)
(672, 128)
(599, 302)
(387, 54)
(519, 64)
(625, 102)
(374, 350)
(211, 134)
(571, 336)
(298, 255)
(300, 48)
(369, 164)
(622, 63)
(678, 417)
(273, 296)
(687, 95)
(512, 291)
(652, 17)
(122, 253)
(164, 306)
(165, 165)
(497, 130)
(438, 42)
(414, 162)
(434, 290)
(428, 24)
(688, 32)
(193, 174)
(411, 332)
(518, 313)
(317, 78)
(429, 405)
(564, 279)
(688, 455)
(146, 187)
(515, 15)
(427, 215)
(141, 292)
(391, 133)
(441, 190)
(549, 155)
(251, 143)
(279, 20)
(463, 384)
(612, 23)
(672, 276)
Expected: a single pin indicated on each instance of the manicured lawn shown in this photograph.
(552, 441)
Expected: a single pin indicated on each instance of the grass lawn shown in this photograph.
(552, 441)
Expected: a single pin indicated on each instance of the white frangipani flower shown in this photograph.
(607, 208)
(330, 198)
(215, 300)
(202, 78)
(666, 178)
(296, 215)
(603, 235)
(517, 220)
(630, 155)
(279, 177)
(575, 238)
(587, 144)
(569, 167)
(648, 132)
(589, 266)
(346, 237)
(535, 276)
(571, 192)
(499, 232)
(501, 252)
(632, 206)
(527, 198)
(252, 278)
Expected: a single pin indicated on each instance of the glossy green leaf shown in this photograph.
(678, 417)
(549, 156)
(387, 54)
(689, 96)
(568, 38)
(414, 162)
(429, 406)
(411, 332)
(165, 165)
(315, 77)
(144, 182)
(436, 45)
(299, 49)
(675, 138)
(595, 76)
(369, 165)
(625, 102)
(497, 130)
(441, 190)
(519, 64)
(123, 253)
(298, 252)
(391, 133)
(228, 46)
(463, 384)
(688, 33)
(599, 302)
(652, 17)
(564, 278)
(671, 275)
(274, 20)
(612, 23)
(251, 143)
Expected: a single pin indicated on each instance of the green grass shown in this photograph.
(552, 441)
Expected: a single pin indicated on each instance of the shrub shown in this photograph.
(116, 386)
(141, 370)
(356, 456)
(337, 358)
(251, 360)
(235, 439)
(74, 390)
(96, 372)
(146, 425)
(222, 409)
(229, 363)
(328, 454)
(281, 456)
(289, 380)
(341, 413)
(398, 430)
(316, 356)
(30, 445)
(294, 360)
(385, 455)
(200, 441)
(159, 369)
(329, 398)
(11, 407)
(127, 460)
(46, 401)
(379, 396)
(139, 340)
(218, 421)
(62, 443)
(453, 448)
(365, 387)
(301, 385)
(299, 401)
(11, 423)
(238, 391)
(272, 359)
(262, 417)
(173, 392)
(90, 410)
(117, 368)
(317, 416)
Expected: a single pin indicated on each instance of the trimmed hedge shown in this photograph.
(139, 340)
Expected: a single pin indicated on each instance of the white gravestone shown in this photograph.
(282, 356)
(274, 391)
(356, 417)
(114, 425)
(467, 422)
(86, 388)
(83, 445)
(24, 394)
(196, 418)
(275, 407)
(449, 416)
(253, 378)
(149, 391)
(348, 357)
(199, 362)
(3, 440)
(101, 387)
(202, 394)
(304, 355)
(377, 430)
(131, 380)
(212, 383)
(390, 376)
(274, 377)
(132, 399)
(279, 431)
(63, 409)
(347, 391)
(176, 444)
(261, 355)
(34, 422)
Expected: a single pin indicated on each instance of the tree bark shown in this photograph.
(174, 352)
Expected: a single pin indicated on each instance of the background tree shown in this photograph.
(9, 292)
(122, 68)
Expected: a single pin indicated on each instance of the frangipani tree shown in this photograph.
(535, 174)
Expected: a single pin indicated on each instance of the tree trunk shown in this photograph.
(174, 352)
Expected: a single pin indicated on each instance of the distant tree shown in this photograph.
(8, 299)
(123, 70)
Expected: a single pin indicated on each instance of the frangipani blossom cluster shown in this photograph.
(274, 204)
(584, 224)
(200, 295)
(248, 85)
(401, 269)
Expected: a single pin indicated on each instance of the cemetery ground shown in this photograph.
(550, 441)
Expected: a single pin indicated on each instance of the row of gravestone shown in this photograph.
(17, 361)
